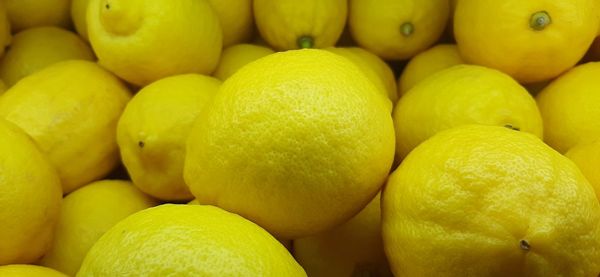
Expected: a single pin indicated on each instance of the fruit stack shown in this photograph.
(330, 138)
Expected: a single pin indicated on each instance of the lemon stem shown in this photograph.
(540, 20)
(305, 42)
(524, 245)
(407, 29)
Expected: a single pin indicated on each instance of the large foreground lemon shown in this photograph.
(26, 270)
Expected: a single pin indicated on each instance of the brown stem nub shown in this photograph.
(524, 245)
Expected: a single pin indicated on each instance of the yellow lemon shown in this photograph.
(374, 68)
(397, 30)
(36, 48)
(427, 63)
(30, 198)
(298, 142)
(490, 201)
(290, 24)
(79, 13)
(354, 248)
(587, 157)
(569, 107)
(531, 40)
(143, 41)
(27, 270)
(5, 33)
(86, 214)
(236, 19)
(2, 87)
(71, 110)
(460, 95)
(188, 240)
(235, 57)
(154, 128)
(24, 14)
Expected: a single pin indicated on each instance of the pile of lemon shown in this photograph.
(330, 138)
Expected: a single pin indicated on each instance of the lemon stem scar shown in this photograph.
(524, 245)
(141, 144)
(407, 29)
(540, 20)
(305, 42)
(509, 126)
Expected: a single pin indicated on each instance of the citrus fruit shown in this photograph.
(236, 56)
(587, 157)
(27, 270)
(30, 198)
(397, 30)
(427, 63)
(78, 14)
(24, 14)
(532, 40)
(71, 110)
(188, 240)
(36, 48)
(374, 68)
(461, 95)
(289, 24)
(143, 41)
(354, 248)
(569, 108)
(297, 141)
(86, 214)
(490, 201)
(236, 20)
(152, 145)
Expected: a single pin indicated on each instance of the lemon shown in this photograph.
(86, 214)
(354, 248)
(397, 30)
(30, 198)
(373, 67)
(24, 14)
(427, 63)
(153, 130)
(569, 108)
(460, 95)
(71, 110)
(297, 141)
(290, 24)
(5, 33)
(236, 20)
(490, 201)
(587, 157)
(236, 56)
(26, 270)
(188, 240)
(143, 41)
(531, 40)
(36, 48)
(78, 14)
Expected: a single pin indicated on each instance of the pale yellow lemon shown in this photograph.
(490, 201)
(143, 41)
(188, 240)
(531, 40)
(24, 14)
(71, 110)
(290, 24)
(236, 20)
(427, 63)
(587, 157)
(297, 141)
(374, 68)
(78, 14)
(236, 56)
(30, 198)
(154, 128)
(86, 214)
(354, 248)
(569, 107)
(397, 30)
(27, 270)
(36, 48)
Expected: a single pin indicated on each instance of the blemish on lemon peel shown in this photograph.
(524, 245)
(510, 126)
